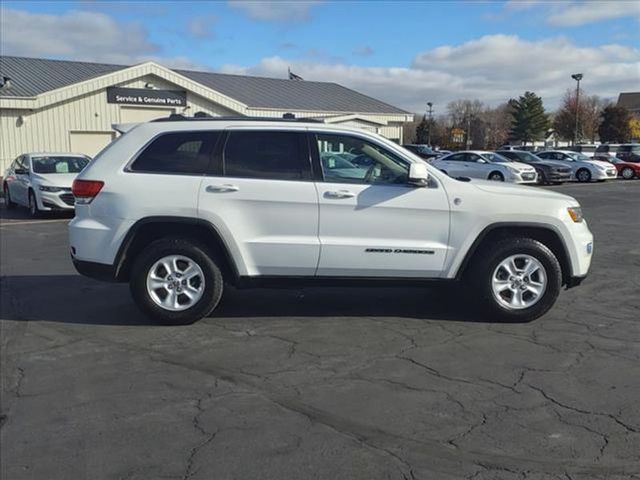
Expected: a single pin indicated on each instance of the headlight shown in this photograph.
(576, 214)
(44, 188)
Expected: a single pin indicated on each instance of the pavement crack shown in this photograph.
(209, 436)
(439, 374)
(611, 416)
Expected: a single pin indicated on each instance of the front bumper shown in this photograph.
(63, 200)
(609, 174)
(558, 177)
(574, 281)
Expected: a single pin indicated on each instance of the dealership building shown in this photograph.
(63, 106)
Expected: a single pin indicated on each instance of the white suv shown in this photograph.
(179, 207)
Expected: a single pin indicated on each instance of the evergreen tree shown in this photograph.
(422, 131)
(615, 126)
(529, 121)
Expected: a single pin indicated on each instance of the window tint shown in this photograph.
(471, 157)
(351, 159)
(456, 157)
(268, 154)
(178, 152)
(48, 165)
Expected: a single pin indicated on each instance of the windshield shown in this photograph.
(495, 158)
(65, 164)
(578, 156)
(522, 156)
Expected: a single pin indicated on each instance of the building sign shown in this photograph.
(146, 96)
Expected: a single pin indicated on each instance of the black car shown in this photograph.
(423, 151)
(548, 170)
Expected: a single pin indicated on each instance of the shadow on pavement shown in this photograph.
(74, 299)
(21, 213)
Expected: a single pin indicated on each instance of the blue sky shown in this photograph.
(401, 52)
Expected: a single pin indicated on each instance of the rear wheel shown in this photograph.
(583, 175)
(627, 173)
(175, 281)
(516, 280)
(496, 176)
(10, 204)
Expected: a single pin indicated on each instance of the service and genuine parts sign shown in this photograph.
(144, 96)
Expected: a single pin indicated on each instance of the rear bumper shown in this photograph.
(99, 271)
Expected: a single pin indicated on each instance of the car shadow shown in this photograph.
(74, 299)
(21, 213)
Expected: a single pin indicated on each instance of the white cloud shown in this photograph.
(582, 13)
(363, 51)
(275, 10)
(80, 35)
(202, 27)
(491, 68)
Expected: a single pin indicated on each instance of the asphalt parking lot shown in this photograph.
(385, 383)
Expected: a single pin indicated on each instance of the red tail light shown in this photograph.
(86, 190)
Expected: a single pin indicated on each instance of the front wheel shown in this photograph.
(583, 175)
(516, 280)
(496, 176)
(34, 211)
(176, 281)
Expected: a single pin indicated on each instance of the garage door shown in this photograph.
(141, 114)
(90, 143)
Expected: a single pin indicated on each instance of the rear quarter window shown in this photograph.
(177, 153)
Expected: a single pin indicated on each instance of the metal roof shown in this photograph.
(629, 100)
(33, 76)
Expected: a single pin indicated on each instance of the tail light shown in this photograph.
(86, 190)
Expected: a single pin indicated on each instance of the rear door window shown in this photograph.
(274, 155)
(178, 153)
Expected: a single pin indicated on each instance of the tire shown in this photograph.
(10, 204)
(488, 265)
(34, 211)
(187, 253)
(542, 180)
(496, 176)
(583, 175)
(627, 173)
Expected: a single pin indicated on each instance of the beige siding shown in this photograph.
(45, 123)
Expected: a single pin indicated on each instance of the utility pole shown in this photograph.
(430, 112)
(577, 77)
(468, 130)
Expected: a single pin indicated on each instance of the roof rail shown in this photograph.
(203, 116)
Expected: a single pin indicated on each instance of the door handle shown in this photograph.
(222, 188)
(340, 194)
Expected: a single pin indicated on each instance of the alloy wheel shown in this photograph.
(519, 282)
(175, 283)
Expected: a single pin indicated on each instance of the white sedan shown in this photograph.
(42, 181)
(583, 168)
(485, 165)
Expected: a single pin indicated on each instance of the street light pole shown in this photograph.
(430, 112)
(577, 77)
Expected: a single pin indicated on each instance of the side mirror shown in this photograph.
(481, 160)
(418, 175)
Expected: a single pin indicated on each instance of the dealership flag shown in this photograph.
(293, 76)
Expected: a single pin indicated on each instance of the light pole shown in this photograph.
(577, 77)
(430, 112)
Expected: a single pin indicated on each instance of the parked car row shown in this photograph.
(542, 167)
